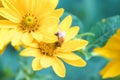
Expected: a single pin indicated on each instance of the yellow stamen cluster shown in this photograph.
(29, 23)
(48, 49)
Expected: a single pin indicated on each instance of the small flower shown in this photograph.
(48, 54)
(29, 19)
(111, 51)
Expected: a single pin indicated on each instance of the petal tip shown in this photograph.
(69, 17)
(84, 64)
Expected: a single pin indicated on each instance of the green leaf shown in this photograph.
(116, 78)
(22, 76)
(103, 30)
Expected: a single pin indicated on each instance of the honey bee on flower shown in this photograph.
(48, 54)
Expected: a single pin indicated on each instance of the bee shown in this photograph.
(60, 36)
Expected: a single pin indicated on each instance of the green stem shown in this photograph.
(85, 53)
(86, 34)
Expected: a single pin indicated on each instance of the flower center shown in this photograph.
(48, 49)
(29, 23)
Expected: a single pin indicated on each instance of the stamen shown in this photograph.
(29, 23)
(48, 49)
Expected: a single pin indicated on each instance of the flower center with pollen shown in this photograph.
(29, 23)
(48, 49)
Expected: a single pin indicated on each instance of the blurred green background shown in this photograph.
(88, 15)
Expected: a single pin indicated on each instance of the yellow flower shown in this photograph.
(30, 19)
(111, 51)
(48, 54)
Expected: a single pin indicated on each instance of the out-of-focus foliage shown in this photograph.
(103, 30)
(91, 16)
(91, 11)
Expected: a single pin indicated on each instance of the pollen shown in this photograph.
(29, 23)
(48, 49)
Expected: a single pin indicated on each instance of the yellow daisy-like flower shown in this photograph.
(48, 54)
(29, 19)
(111, 51)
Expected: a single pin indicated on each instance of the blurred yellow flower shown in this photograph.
(111, 51)
(48, 54)
(29, 19)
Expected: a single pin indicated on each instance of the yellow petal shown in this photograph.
(3, 35)
(17, 39)
(3, 31)
(10, 15)
(73, 45)
(37, 36)
(30, 52)
(58, 12)
(27, 38)
(49, 38)
(114, 39)
(69, 56)
(32, 5)
(10, 4)
(7, 4)
(118, 32)
(1, 4)
(32, 45)
(49, 22)
(36, 64)
(37, 6)
(2, 50)
(5, 38)
(108, 53)
(2, 47)
(112, 69)
(25, 6)
(78, 63)
(53, 29)
(9, 35)
(65, 24)
(58, 67)
(7, 24)
(71, 33)
(48, 5)
(45, 61)
(17, 47)
(3, 41)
